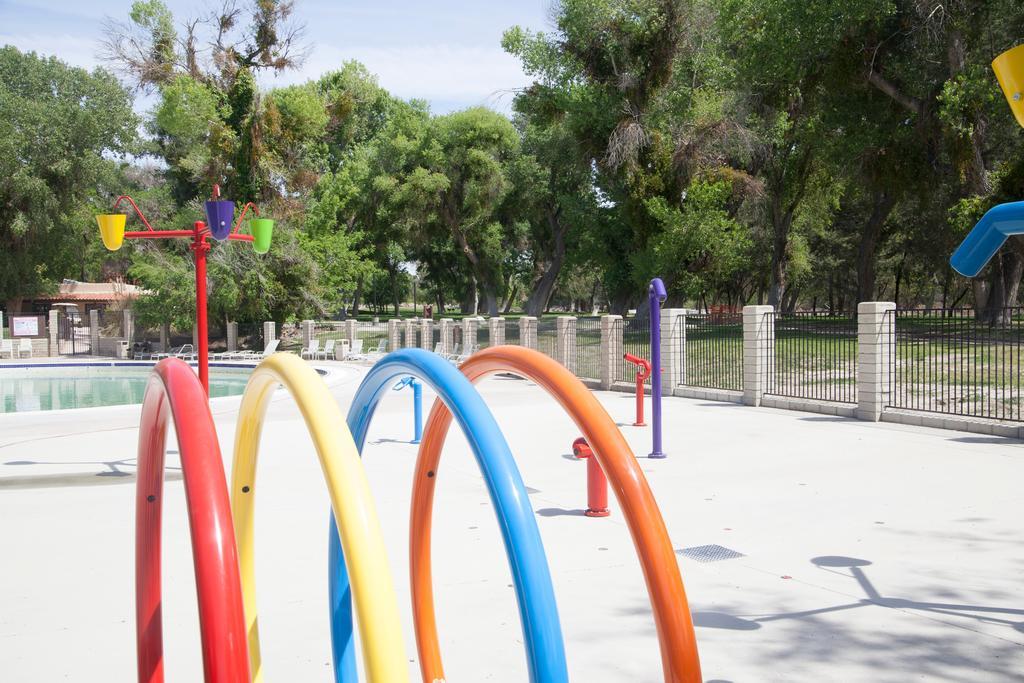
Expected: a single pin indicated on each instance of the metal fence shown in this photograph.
(815, 356)
(329, 330)
(483, 335)
(547, 336)
(512, 331)
(946, 361)
(373, 335)
(411, 335)
(636, 340)
(588, 348)
(711, 350)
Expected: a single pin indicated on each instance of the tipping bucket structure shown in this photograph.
(262, 230)
(1009, 68)
(112, 229)
(220, 214)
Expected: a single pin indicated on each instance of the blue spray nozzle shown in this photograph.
(985, 238)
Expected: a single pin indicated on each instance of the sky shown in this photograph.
(447, 52)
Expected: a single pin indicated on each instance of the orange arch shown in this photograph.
(680, 661)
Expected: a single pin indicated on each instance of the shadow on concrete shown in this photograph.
(828, 418)
(114, 474)
(43, 481)
(560, 512)
(940, 656)
(958, 652)
(723, 620)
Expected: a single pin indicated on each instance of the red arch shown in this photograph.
(174, 392)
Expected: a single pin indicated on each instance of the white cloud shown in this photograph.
(454, 74)
(448, 76)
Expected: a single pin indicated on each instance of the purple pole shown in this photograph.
(655, 295)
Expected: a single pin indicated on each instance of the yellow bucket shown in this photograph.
(1009, 68)
(112, 229)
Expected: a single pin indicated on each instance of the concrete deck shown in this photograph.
(870, 552)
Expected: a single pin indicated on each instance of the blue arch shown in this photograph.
(542, 631)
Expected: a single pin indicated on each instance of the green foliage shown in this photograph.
(700, 241)
(807, 152)
(60, 130)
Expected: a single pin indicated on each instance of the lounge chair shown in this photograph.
(460, 358)
(310, 352)
(270, 349)
(7, 346)
(327, 352)
(24, 346)
(185, 352)
(355, 351)
(382, 348)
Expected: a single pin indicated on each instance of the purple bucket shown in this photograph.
(220, 215)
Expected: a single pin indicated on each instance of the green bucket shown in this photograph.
(262, 230)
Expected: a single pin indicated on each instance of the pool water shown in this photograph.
(26, 389)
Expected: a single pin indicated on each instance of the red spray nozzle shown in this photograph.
(645, 366)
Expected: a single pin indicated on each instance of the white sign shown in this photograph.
(25, 327)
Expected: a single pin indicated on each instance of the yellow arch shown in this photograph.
(372, 589)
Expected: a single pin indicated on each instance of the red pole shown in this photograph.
(639, 400)
(597, 490)
(597, 483)
(199, 247)
(643, 371)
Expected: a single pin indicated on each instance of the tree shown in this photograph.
(458, 187)
(61, 130)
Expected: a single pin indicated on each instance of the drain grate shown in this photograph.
(709, 553)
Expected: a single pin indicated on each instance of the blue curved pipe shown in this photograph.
(985, 239)
(542, 631)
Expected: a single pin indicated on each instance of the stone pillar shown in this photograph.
(565, 341)
(307, 327)
(165, 337)
(528, 332)
(351, 331)
(446, 335)
(232, 337)
(758, 352)
(195, 337)
(53, 325)
(269, 333)
(673, 348)
(611, 349)
(496, 332)
(94, 332)
(410, 333)
(394, 334)
(427, 334)
(876, 329)
(470, 327)
(129, 325)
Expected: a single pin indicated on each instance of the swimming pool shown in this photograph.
(26, 388)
